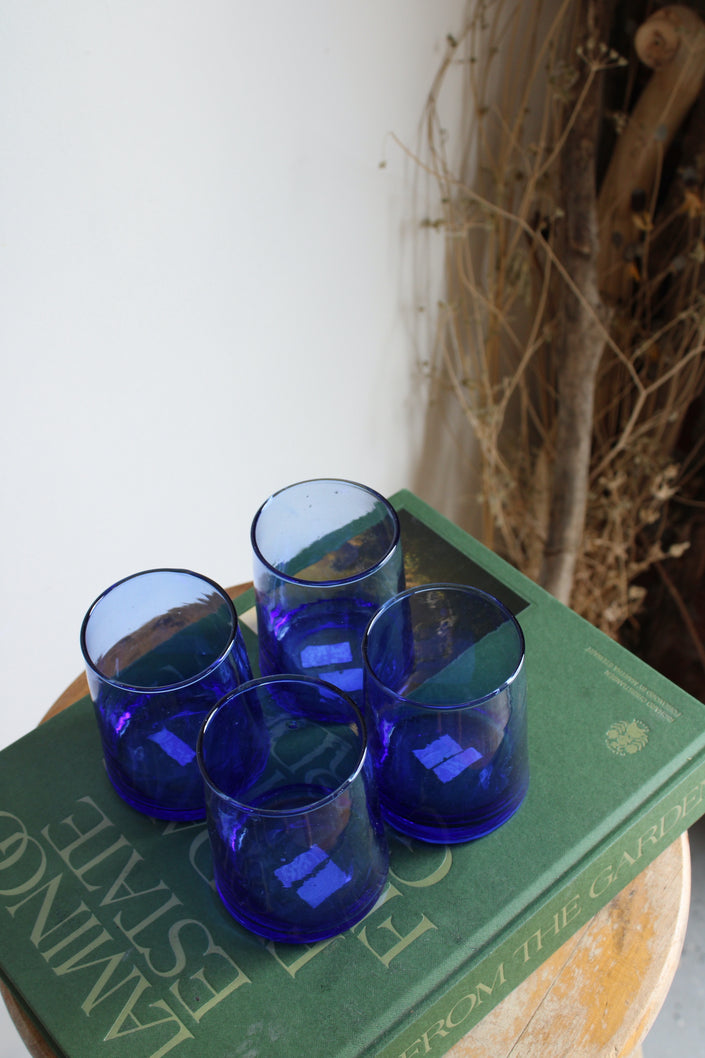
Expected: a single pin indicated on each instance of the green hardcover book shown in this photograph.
(117, 945)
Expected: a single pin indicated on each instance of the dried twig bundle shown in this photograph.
(573, 332)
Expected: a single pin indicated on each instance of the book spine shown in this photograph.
(446, 1018)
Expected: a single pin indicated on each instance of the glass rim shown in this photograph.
(280, 813)
(462, 589)
(178, 684)
(340, 580)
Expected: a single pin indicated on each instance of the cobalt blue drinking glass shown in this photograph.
(445, 691)
(326, 555)
(160, 647)
(298, 843)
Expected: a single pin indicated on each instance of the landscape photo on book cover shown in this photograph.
(115, 940)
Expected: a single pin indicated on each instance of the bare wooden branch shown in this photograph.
(582, 335)
(672, 43)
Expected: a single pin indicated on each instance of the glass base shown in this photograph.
(321, 640)
(442, 833)
(135, 799)
(299, 934)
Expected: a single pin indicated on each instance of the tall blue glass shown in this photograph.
(445, 691)
(160, 647)
(299, 850)
(326, 555)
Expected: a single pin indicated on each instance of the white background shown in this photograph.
(211, 271)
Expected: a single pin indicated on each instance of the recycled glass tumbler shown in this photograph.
(298, 843)
(160, 648)
(326, 555)
(445, 691)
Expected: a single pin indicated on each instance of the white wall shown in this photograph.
(209, 288)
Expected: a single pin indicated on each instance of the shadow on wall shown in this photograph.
(447, 473)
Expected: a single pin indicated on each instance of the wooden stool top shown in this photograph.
(599, 994)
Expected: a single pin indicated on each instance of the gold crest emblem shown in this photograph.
(627, 738)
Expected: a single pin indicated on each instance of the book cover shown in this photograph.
(115, 941)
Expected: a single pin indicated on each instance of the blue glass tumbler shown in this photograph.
(326, 555)
(445, 691)
(160, 648)
(298, 843)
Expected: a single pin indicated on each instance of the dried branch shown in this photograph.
(672, 43)
(582, 325)
(577, 409)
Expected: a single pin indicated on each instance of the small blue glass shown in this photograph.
(326, 554)
(298, 843)
(446, 700)
(160, 648)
